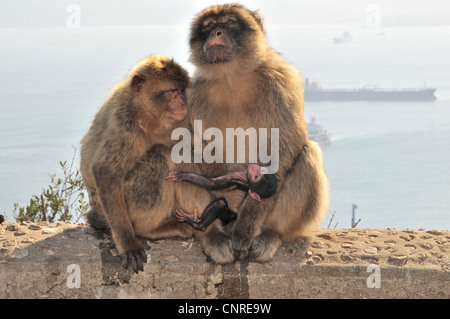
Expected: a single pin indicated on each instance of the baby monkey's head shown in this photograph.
(260, 184)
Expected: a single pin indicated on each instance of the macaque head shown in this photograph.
(158, 85)
(220, 34)
(260, 184)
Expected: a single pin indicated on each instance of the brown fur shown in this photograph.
(257, 88)
(125, 156)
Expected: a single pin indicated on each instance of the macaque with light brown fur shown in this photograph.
(125, 156)
(240, 82)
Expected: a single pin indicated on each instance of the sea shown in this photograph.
(390, 159)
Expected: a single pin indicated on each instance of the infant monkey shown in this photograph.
(253, 180)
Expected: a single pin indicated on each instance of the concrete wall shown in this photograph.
(42, 260)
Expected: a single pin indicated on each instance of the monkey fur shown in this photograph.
(125, 156)
(240, 82)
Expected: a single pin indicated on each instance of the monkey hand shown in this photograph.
(173, 176)
(136, 258)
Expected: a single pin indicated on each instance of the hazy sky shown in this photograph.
(53, 13)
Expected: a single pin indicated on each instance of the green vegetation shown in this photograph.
(63, 200)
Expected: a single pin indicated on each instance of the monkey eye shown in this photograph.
(231, 21)
(160, 94)
(208, 25)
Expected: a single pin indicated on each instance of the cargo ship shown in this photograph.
(314, 92)
(345, 38)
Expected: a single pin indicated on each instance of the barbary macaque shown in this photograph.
(125, 156)
(253, 180)
(241, 82)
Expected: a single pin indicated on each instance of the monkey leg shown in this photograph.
(217, 209)
(112, 197)
(96, 221)
(169, 228)
(264, 246)
(217, 246)
(303, 200)
(95, 216)
(249, 225)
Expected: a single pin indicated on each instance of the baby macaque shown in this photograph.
(253, 180)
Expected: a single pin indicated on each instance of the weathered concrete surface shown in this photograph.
(41, 260)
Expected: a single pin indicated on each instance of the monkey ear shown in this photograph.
(254, 195)
(258, 19)
(136, 83)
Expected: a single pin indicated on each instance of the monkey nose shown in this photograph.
(216, 33)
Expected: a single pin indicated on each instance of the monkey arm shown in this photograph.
(216, 209)
(210, 183)
(112, 198)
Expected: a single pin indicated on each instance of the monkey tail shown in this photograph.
(96, 221)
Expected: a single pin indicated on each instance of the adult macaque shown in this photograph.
(241, 82)
(125, 156)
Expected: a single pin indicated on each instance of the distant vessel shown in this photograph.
(344, 38)
(314, 92)
(317, 133)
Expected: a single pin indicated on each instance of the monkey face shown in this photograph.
(261, 184)
(219, 34)
(173, 104)
(158, 85)
(219, 45)
(254, 173)
(165, 104)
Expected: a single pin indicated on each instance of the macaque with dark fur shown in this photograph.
(253, 180)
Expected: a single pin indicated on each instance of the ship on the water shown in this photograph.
(315, 92)
(344, 38)
(317, 134)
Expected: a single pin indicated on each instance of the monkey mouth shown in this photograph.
(217, 47)
(217, 43)
(178, 116)
(218, 53)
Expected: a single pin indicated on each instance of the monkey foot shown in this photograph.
(264, 246)
(183, 216)
(217, 246)
(135, 258)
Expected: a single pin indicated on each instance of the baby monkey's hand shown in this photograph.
(174, 176)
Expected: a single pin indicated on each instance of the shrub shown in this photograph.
(63, 200)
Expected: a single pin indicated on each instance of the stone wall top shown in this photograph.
(65, 260)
